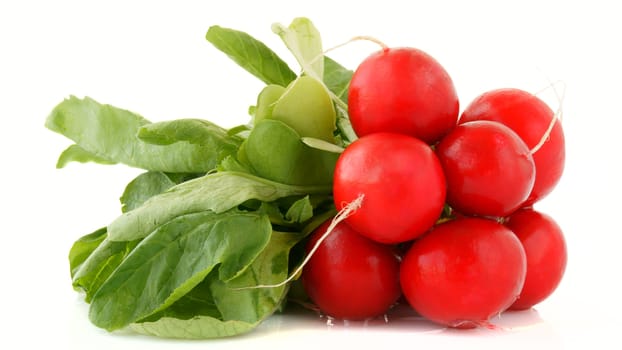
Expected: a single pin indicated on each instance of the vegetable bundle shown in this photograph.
(213, 232)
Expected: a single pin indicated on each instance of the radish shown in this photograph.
(350, 276)
(463, 272)
(530, 118)
(489, 169)
(401, 180)
(545, 248)
(402, 90)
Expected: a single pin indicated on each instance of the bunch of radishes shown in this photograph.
(444, 213)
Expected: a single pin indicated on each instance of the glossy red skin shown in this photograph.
(529, 117)
(463, 272)
(349, 276)
(402, 183)
(402, 90)
(489, 169)
(545, 248)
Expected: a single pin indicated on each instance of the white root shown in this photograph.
(341, 215)
(382, 45)
(558, 115)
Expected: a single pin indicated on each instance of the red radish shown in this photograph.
(545, 248)
(530, 118)
(402, 90)
(463, 272)
(350, 276)
(402, 183)
(489, 169)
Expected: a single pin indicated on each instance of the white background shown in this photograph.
(152, 58)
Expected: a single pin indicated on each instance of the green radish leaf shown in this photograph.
(290, 212)
(275, 151)
(266, 100)
(175, 258)
(143, 187)
(345, 127)
(300, 211)
(83, 248)
(337, 78)
(198, 327)
(305, 42)
(197, 302)
(307, 107)
(273, 211)
(238, 130)
(217, 192)
(321, 145)
(99, 265)
(109, 133)
(240, 309)
(149, 184)
(237, 302)
(194, 131)
(75, 153)
(251, 54)
(232, 164)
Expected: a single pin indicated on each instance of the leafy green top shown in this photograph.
(216, 210)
